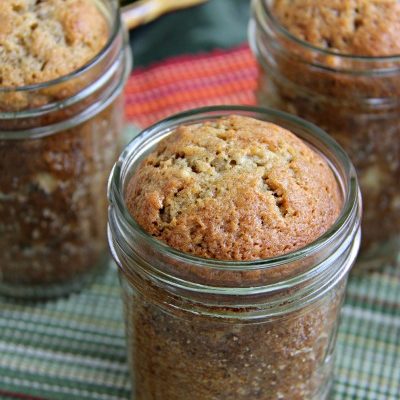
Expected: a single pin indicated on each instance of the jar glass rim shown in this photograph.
(288, 35)
(350, 200)
(115, 28)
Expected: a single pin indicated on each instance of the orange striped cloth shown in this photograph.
(184, 82)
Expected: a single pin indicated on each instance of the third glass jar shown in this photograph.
(58, 141)
(357, 100)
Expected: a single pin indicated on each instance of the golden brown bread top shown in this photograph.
(41, 40)
(234, 189)
(358, 27)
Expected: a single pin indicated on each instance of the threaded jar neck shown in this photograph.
(318, 73)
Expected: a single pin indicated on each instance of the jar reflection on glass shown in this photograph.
(202, 328)
(58, 142)
(356, 100)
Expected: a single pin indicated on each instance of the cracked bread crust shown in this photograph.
(41, 40)
(234, 189)
(357, 27)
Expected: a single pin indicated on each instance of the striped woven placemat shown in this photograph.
(73, 348)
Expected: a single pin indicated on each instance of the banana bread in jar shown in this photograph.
(63, 65)
(337, 63)
(233, 239)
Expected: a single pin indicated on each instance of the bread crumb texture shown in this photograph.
(234, 189)
(358, 27)
(41, 40)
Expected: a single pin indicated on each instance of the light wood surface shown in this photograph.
(144, 11)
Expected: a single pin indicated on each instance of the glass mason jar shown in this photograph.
(208, 329)
(356, 100)
(58, 143)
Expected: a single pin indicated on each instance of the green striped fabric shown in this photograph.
(74, 348)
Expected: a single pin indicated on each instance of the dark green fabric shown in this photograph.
(215, 24)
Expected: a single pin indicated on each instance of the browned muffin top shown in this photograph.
(234, 189)
(41, 40)
(358, 27)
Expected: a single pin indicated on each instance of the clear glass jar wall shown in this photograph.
(201, 328)
(58, 142)
(357, 101)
